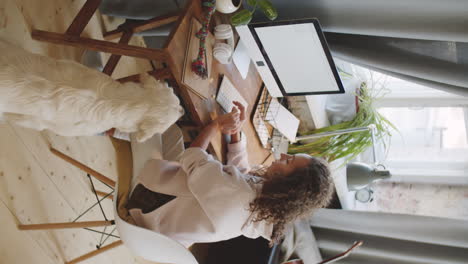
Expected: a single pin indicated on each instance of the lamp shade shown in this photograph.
(359, 175)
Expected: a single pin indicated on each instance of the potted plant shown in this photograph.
(244, 16)
(350, 145)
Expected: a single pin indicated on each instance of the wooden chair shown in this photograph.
(124, 32)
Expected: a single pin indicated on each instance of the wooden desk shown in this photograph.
(249, 88)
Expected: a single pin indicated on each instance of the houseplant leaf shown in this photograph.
(349, 145)
(252, 3)
(268, 9)
(242, 17)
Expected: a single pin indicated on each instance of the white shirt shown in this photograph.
(212, 201)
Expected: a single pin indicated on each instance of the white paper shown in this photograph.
(241, 59)
(283, 120)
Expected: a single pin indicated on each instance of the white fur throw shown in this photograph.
(72, 100)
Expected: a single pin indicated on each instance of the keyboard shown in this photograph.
(227, 94)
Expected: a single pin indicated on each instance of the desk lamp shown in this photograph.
(358, 174)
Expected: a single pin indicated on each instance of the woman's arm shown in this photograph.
(205, 136)
(228, 123)
(237, 153)
(235, 138)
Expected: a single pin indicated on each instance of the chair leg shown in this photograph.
(114, 58)
(95, 252)
(142, 26)
(83, 17)
(104, 194)
(84, 168)
(159, 74)
(66, 225)
(100, 45)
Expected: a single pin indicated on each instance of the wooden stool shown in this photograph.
(125, 31)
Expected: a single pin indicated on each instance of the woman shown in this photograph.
(197, 199)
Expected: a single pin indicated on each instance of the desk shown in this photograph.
(249, 88)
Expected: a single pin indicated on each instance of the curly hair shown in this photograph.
(281, 200)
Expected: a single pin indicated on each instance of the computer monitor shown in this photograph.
(292, 57)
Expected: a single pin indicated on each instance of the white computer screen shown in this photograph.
(298, 58)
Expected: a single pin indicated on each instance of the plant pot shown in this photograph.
(227, 6)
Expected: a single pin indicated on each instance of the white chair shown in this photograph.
(142, 242)
(151, 245)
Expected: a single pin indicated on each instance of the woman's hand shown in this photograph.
(241, 116)
(232, 122)
(228, 122)
(235, 135)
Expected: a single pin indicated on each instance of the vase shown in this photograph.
(227, 6)
(359, 175)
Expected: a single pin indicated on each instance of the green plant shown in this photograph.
(349, 145)
(244, 16)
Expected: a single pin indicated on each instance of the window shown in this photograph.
(428, 157)
(432, 142)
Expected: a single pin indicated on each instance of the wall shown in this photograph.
(299, 107)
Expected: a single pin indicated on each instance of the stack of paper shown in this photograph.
(283, 120)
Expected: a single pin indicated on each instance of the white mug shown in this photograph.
(227, 6)
(223, 51)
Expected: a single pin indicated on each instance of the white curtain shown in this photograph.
(391, 238)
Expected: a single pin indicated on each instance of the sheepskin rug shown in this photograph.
(70, 99)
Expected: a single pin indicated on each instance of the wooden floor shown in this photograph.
(36, 186)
